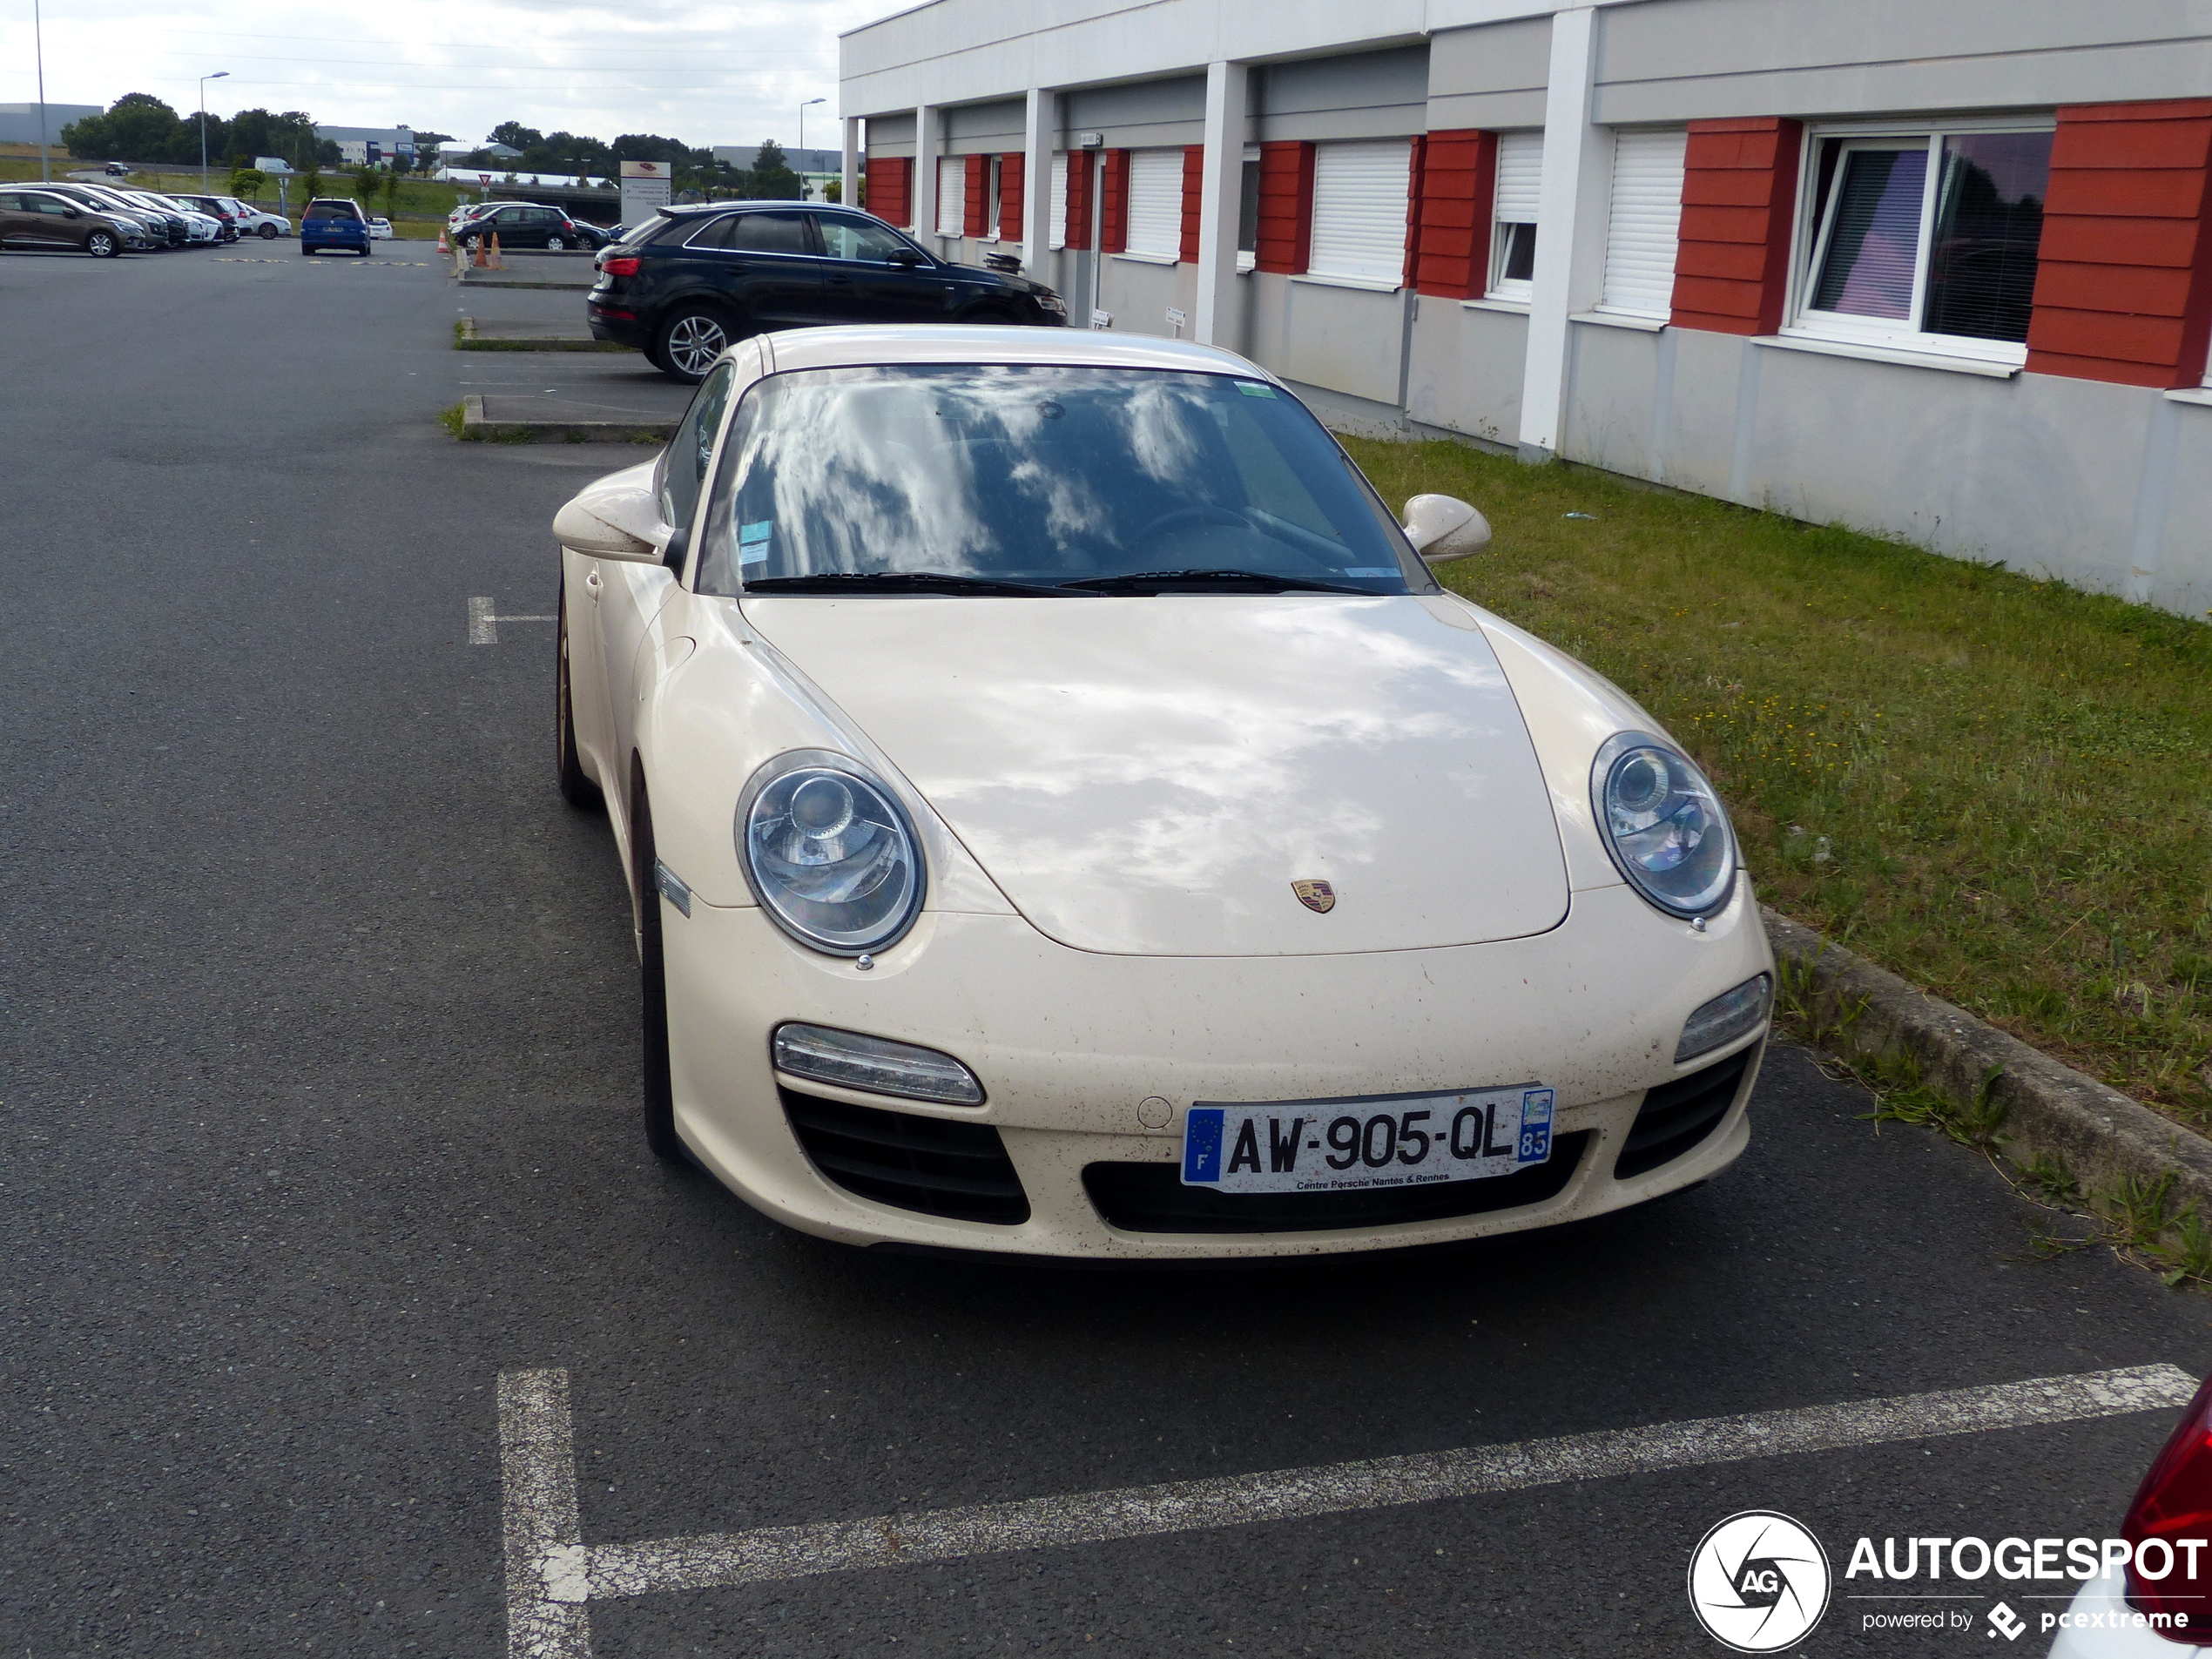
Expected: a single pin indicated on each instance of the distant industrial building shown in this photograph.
(19, 122)
(370, 146)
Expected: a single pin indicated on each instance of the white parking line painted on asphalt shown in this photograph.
(553, 1575)
(483, 626)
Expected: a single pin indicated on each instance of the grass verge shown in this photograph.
(1993, 786)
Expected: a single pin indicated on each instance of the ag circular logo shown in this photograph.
(1759, 1581)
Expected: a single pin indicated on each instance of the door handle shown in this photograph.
(592, 583)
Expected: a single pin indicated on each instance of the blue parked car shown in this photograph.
(333, 222)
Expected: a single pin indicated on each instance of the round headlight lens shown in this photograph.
(829, 853)
(1663, 825)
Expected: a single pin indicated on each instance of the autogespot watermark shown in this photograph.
(1759, 1582)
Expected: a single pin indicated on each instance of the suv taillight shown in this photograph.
(625, 265)
(2175, 1503)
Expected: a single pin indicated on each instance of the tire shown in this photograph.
(367, 252)
(554, 244)
(576, 787)
(659, 1088)
(102, 246)
(268, 233)
(688, 341)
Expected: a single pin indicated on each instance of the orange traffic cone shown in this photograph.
(476, 253)
(498, 264)
(442, 248)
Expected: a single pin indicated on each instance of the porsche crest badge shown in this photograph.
(1316, 895)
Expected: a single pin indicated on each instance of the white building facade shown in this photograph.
(1941, 271)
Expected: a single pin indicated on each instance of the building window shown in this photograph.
(1644, 222)
(952, 195)
(1359, 199)
(1924, 238)
(994, 182)
(1155, 204)
(1057, 226)
(1513, 249)
(1248, 212)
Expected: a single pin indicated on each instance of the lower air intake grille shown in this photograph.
(1151, 1198)
(929, 1164)
(1675, 1116)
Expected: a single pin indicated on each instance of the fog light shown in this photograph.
(1726, 1017)
(875, 1064)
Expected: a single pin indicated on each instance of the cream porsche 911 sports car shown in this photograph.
(1065, 817)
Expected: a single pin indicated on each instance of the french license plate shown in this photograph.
(1341, 1145)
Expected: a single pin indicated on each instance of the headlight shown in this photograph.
(876, 1065)
(1663, 825)
(1726, 1017)
(829, 853)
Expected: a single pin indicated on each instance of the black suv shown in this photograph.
(683, 286)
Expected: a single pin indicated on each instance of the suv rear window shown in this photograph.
(332, 210)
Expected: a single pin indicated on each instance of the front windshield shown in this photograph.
(1039, 475)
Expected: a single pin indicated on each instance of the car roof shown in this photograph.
(860, 344)
(684, 210)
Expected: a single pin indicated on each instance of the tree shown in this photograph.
(366, 183)
(136, 127)
(517, 135)
(246, 183)
(310, 183)
(773, 178)
(392, 192)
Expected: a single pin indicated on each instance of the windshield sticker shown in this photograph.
(1372, 570)
(752, 541)
(1253, 388)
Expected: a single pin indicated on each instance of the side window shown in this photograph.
(1513, 254)
(856, 239)
(770, 233)
(49, 206)
(683, 467)
(715, 233)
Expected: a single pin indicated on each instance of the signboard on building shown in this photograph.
(644, 190)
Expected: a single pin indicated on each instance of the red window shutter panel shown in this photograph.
(1113, 219)
(1077, 230)
(2123, 282)
(975, 208)
(1455, 189)
(1010, 203)
(1194, 199)
(1285, 207)
(1415, 165)
(889, 189)
(1739, 196)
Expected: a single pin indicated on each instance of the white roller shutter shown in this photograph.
(952, 195)
(1521, 176)
(1641, 234)
(1056, 231)
(1156, 202)
(1359, 202)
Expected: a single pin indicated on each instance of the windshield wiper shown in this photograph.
(1231, 581)
(901, 581)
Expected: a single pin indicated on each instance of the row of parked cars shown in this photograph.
(109, 220)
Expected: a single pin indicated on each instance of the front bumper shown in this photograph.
(1067, 1043)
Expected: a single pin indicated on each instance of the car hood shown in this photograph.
(1151, 776)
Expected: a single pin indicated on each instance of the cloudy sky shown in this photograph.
(733, 73)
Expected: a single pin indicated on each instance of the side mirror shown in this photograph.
(71, 212)
(906, 257)
(1444, 527)
(619, 524)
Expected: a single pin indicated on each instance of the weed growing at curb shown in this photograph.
(454, 421)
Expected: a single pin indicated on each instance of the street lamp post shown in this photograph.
(219, 75)
(801, 169)
(38, 43)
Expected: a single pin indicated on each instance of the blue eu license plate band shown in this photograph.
(1367, 1142)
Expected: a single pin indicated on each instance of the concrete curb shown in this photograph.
(2102, 1137)
(475, 427)
(473, 338)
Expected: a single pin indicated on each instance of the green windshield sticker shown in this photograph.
(752, 541)
(1253, 388)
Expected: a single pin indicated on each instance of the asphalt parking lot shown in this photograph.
(319, 1095)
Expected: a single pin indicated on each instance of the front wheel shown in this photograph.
(687, 342)
(659, 1091)
(554, 244)
(268, 233)
(101, 246)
